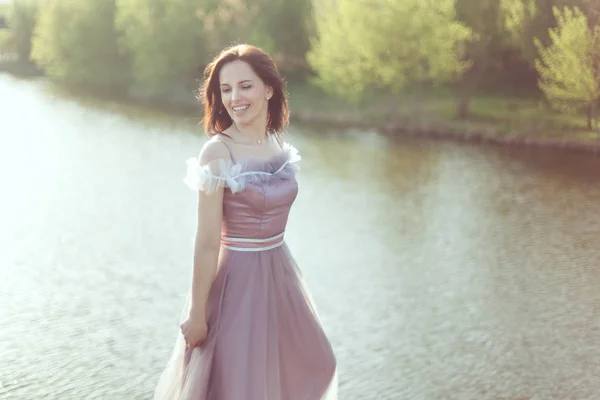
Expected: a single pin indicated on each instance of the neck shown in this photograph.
(252, 133)
(257, 130)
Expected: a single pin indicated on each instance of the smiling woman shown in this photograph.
(250, 329)
(246, 101)
(246, 78)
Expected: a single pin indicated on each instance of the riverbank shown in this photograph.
(9, 64)
(465, 131)
(494, 119)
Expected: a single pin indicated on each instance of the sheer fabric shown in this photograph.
(265, 340)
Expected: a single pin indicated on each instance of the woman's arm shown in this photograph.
(208, 233)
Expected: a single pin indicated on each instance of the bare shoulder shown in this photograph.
(213, 149)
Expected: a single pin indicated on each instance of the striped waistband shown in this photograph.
(243, 244)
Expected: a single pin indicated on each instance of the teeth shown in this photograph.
(242, 108)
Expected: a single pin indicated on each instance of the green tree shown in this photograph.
(21, 21)
(4, 33)
(289, 23)
(590, 8)
(227, 22)
(516, 13)
(519, 18)
(529, 20)
(165, 41)
(364, 44)
(76, 44)
(281, 27)
(485, 51)
(569, 67)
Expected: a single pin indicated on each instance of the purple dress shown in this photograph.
(265, 340)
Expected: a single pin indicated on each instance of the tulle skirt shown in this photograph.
(265, 340)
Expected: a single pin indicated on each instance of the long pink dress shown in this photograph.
(265, 340)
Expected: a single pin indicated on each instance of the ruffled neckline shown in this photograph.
(248, 170)
(288, 153)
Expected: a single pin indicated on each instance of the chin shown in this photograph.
(245, 120)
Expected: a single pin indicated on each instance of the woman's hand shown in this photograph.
(194, 330)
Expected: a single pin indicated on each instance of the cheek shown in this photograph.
(257, 96)
(225, 99)
(261, 102)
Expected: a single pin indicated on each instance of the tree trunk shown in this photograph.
(463, 105)
(470, 85)
(594, 118)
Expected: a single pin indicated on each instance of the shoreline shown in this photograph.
(390, 127)
(433, 131)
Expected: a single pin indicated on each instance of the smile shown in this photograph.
(240, 108)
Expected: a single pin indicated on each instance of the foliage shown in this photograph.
(21, 17)
(165, 42)
(364, 44)
(569, 66)
(357, 49)
(75, 43)
(280, 27)
(289, 23)
(485, 51)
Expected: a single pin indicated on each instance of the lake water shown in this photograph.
(440, 270)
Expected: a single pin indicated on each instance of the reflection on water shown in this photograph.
(441, 271)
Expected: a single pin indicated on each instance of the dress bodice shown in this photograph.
(258, 193)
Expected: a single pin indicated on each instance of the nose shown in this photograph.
(235, 94)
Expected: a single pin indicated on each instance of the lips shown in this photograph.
(238, 109)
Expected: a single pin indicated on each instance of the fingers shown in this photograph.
(196, 343)
(183, 328)
(192, 343)
(191, 339)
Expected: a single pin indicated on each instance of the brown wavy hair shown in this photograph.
(216, 119)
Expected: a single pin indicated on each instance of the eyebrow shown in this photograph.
(227, 84)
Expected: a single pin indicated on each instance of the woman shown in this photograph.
(250, 331)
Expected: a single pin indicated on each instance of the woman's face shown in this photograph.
(244, 94)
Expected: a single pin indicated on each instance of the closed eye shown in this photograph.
(226, 89)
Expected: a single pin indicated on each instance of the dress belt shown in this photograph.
(244, 244)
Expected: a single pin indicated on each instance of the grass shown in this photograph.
(17, 68)
(527, 116)
(4, 36)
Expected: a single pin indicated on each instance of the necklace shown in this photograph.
(258, 142)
